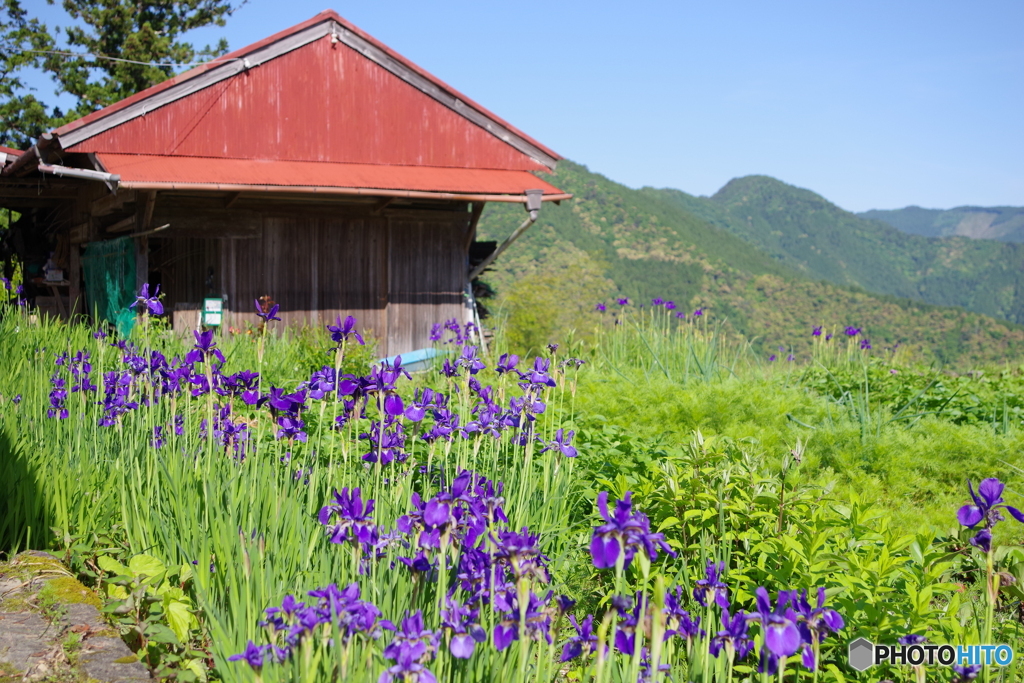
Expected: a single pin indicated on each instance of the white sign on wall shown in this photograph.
(213, 312)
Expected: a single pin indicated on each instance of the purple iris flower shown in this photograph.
(539, 377)
(411, 632)
(733, 634)
(670, 305)
(466, 630)
(623, 301)
(623, 532)
(269, 315)
(562, 442)
(469, 360)
(341, 331)
(679, 621)
(354, 518)
(711, 588)
(988, 503)
(287, 403)
(816, 332)
(393, 405)
(386, 440)
(772, 358)
(602, 308)
(152, 303)
(818, 622)
(522, 554)
(865, 344)
(911, 639)
(291, 427)
(781, 634)
(449, 369)
(253, 656)
(698, 312)
(407, 667)
(657, 301)
(584, 642)
(852, 331)
(204, 347)
(538, 618)
(419, 563)
(965, 674)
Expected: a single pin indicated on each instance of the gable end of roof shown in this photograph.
(186, 84)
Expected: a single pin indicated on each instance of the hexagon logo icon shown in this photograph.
(862, 654)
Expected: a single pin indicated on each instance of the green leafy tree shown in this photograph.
(22, 116)
(113, 49)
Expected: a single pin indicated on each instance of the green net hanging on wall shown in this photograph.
(109, 269)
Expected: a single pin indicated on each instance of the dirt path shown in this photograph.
(51, 629)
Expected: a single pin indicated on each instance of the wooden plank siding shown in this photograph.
(427, 276)
(396, 275)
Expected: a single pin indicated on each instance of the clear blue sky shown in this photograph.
(871, 104)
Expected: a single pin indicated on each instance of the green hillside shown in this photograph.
(1003, 223)
(822, 241)
(615, 241)
(647, 245)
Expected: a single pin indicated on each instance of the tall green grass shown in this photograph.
(248, 530)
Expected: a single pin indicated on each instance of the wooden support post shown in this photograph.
(75, 280)
(141, 220)
(478, 209)
(141, 262)
(144, 213)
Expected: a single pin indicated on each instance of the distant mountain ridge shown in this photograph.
(772, 259)
(1003, 223)
(817, 238)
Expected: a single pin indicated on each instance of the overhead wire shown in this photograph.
(126, 61)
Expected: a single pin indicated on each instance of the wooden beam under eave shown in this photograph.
(232, 199)
(381, 205)
(123, 225)
(474, 218)
(34, 193)
(108, 204)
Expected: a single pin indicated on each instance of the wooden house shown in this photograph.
(316, 167)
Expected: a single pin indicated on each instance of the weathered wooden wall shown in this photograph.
(397, 274)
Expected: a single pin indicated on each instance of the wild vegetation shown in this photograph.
(643, 244)
(659, 502)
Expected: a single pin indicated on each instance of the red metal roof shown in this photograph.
(177, 172)
(325, 91)
(9, 150)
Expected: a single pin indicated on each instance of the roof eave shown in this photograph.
(329, 191)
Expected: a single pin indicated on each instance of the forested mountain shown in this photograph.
(1003, 223)
(771, 259)
(810, 234)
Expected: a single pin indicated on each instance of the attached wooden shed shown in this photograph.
(316, 167)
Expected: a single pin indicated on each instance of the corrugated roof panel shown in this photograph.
(178, 170)
(321, 101)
